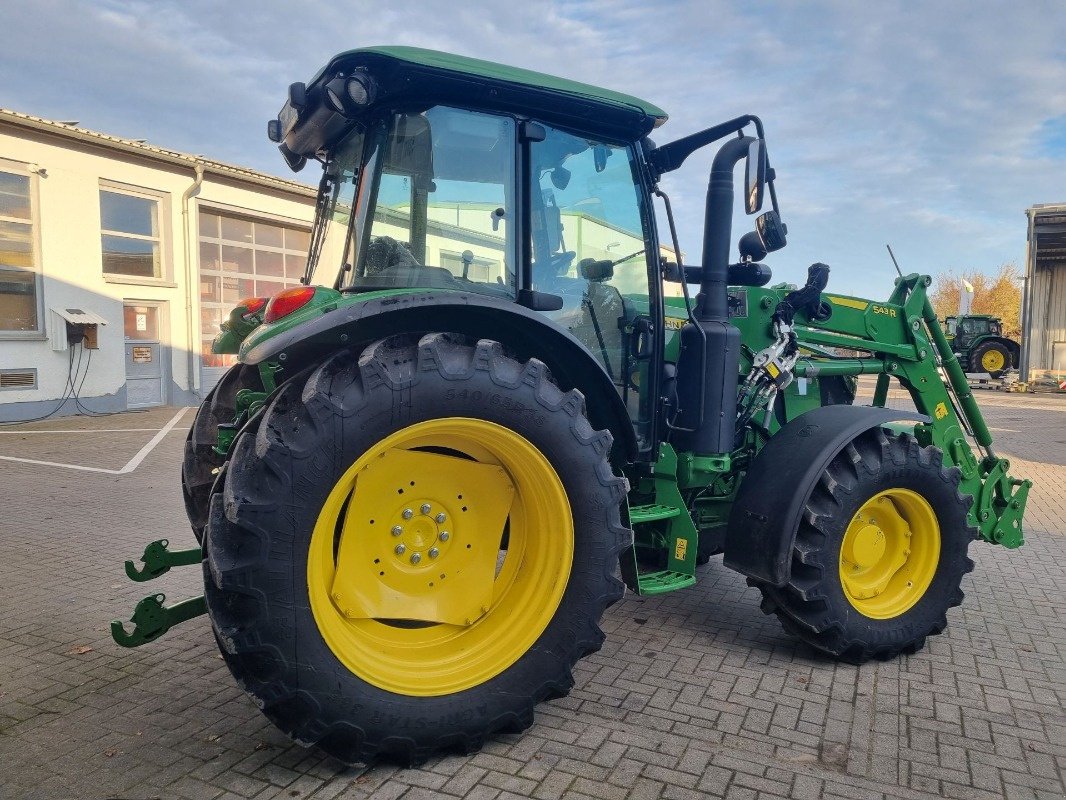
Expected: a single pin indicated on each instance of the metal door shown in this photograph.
(144, 356)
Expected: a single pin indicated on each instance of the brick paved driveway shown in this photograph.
(695, 694)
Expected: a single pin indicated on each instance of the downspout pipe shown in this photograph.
(190, 304)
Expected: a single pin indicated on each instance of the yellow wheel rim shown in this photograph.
(992, 360)
(440, 556)
(890, 553)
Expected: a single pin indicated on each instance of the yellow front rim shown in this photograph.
(992, 360)
(440, 556)
(890, 553)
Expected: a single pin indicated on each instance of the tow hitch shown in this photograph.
(151, 619)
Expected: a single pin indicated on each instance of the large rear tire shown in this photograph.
(991, 357)
(479, 465)
(880, 552)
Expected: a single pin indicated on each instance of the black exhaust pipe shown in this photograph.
(709, 363)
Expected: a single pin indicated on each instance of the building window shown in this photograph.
(240, 258)
(130, 235)
(19, 306)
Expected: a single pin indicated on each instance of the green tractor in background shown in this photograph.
(422, 485)
(979, 343)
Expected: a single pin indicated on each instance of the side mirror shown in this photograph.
(771, 230)
(755, 176)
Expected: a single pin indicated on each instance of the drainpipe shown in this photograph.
(190, 245)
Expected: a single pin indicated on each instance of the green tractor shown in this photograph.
(979, 343)
(422, 485)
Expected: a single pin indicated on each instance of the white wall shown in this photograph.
(69, 258)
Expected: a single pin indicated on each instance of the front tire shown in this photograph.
(880, 552)
(322, 611)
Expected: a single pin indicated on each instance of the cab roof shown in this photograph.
(430, 75)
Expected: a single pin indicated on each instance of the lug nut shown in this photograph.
(408, 513)
(440, 517)
(425, 508)
(433, 552)
(396, 530)
(444, 536)
(401, 549)
(416, 557)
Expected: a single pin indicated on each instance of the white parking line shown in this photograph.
(83, 430)
(130, 466)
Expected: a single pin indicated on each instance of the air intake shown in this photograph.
(18, 379)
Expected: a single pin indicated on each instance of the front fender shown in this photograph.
(524, 333)
(766, 514)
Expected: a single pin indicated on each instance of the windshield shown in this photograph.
(436, 207)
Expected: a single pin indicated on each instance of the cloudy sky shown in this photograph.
(928, 125)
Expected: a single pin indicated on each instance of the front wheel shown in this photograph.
(415, 549)
(880, 551)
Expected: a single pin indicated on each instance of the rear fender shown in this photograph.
(766, 513)
(523, 333)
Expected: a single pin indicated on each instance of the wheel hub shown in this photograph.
(889, 553)
(992, 360)
(408, 564)
(421, 533)
(419, 602)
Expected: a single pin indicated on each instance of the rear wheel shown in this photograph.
(991, 357)
(880, 552)
(413, 551)
(201, 463)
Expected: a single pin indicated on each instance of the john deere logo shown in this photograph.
(680, 549)
(940, 411)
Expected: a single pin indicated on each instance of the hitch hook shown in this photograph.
(151, 619)
(158, 560)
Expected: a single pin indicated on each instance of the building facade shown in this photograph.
(118, 260)
(1043, 358)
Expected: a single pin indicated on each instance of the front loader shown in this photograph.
(422, 484)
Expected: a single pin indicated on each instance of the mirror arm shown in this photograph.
(671, 156)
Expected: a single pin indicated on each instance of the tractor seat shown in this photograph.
(384, 253)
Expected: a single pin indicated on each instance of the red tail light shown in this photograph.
(284, 303)
(252, 305)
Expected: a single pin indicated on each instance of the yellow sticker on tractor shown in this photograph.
(773, 370)
(940, 411)
(680, 549)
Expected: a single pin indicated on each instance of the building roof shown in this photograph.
(153, 152)
(1048, 246)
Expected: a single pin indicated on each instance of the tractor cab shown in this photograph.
(454, 175)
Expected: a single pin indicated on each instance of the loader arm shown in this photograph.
(905, 341)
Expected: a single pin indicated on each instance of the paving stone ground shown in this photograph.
(695, 694)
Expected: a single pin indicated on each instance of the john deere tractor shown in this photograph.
(979, 343)
(421, 485)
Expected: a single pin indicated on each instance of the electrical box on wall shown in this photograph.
(72, 326)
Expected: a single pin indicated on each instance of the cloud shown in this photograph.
(931, 127)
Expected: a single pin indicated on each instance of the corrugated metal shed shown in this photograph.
(1044, 311)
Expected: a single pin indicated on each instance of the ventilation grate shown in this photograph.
(18, 379)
